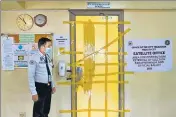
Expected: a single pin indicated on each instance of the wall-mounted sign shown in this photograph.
(98, 5)
(150, 55)
(20, 55)
(7, 53)
(26, 38)
(61, 41)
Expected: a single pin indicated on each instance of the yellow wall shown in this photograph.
(148, 94)
(152, 94)
(15, 92)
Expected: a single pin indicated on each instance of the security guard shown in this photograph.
(40, 79)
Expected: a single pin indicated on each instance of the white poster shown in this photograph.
(98, 5)
(61, 41)
(7, 53)
(20, 55)
(151, 55)
(33, 48)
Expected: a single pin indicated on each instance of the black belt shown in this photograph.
(44, 84)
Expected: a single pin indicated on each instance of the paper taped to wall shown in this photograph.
(149, 55)
(20, 55)
(61, 41)
(33, 48)
(7, 53)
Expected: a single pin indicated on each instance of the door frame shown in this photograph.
(101, 12)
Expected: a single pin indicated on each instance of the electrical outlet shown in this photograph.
(22, 114)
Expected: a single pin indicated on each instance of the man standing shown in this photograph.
(40, 78)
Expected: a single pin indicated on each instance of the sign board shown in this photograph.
(60, 41)
(20, 55)
(27, 38)
(151, 55)
(98, 5)
(16, 49)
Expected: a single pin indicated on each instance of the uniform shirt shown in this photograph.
(37, 71)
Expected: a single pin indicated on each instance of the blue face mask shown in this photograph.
(49, 52)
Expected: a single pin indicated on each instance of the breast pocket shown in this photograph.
(42, 66)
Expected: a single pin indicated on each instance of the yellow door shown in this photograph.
(98, 96)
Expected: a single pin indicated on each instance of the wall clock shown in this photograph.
(24, 22)
(40, 20)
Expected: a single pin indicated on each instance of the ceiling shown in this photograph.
(7, 5)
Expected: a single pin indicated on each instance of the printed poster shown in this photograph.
(20, 55)
(149, 55)
(61, 43)
(26, 38)
(7, 53)
(33, 48)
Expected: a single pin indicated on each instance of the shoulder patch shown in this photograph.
(31, 62)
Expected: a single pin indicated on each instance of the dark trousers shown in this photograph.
(41, 107)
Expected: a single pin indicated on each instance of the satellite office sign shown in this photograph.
(148, 55)
(94, 5)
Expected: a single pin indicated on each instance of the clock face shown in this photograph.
(25, 22)
(40, 20)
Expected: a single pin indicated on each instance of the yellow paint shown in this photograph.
(98, 90)
(61, 50)
(109, 53)
(97, 23)
(86, 110)
(73, 69)
(98, 64)
(89, 77)
(93, 82)
(89, 55)
(89, 47)
(145, 24)
(104, 47)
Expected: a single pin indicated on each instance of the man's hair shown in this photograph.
(42, 41)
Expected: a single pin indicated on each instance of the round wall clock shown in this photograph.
(40, 20)
(24, 22)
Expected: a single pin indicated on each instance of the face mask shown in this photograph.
(48, 51)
